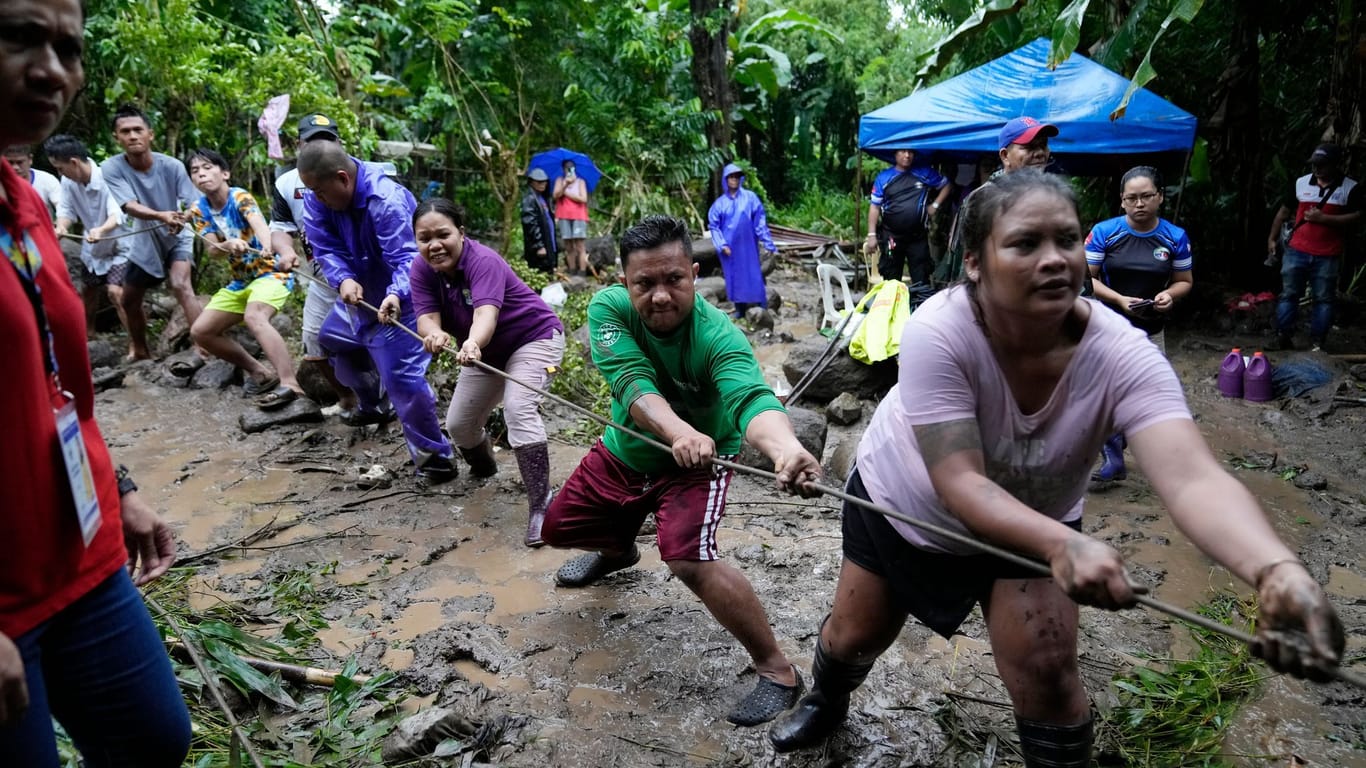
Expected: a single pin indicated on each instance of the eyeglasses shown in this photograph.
(1145, 198)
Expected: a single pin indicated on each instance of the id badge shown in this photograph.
(78, 473)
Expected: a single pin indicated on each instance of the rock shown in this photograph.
(216, 374)
(103, 354)
(841, 461)
(1358, 371)
(775, 299)
(282, 323)
(1310, 481)
(810, 427)
(300, 411)
(580, 335)
(759, 318)
(578, 284)
(712, 289)
(767, 263)
(242, 335)
(314, 384)
(602, 253)
(844, 410)
(842, 374)
(106, 378)
(421, 734)
(176, 335)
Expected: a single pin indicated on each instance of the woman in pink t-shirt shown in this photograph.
(1008, 386)
(571, 217)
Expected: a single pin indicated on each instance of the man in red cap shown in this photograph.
(1023, 143)
(1324, 203)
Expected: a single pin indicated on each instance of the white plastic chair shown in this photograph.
(827, 274)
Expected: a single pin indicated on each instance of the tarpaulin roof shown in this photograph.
(960, 117)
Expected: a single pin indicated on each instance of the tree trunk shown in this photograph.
(1236, 149)
(710, 29)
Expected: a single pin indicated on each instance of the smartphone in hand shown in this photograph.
(1139, 306)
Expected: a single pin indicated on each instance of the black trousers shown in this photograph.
(905, 253)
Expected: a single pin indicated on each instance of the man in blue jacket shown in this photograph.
(360, 225)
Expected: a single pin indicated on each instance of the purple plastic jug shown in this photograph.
(1231, 374)
(1257, 379)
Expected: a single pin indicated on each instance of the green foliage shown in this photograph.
(203, 80)
(820, 210)
(577, 380)
(1177, 714)
(340, 726)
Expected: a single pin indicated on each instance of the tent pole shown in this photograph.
(1181, 191)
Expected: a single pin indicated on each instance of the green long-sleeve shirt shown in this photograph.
(706, 371)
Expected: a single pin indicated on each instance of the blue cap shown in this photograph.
(1022, 130)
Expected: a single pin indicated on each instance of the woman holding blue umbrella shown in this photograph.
(571, 215)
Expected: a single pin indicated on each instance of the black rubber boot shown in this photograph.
(1055, 746)
(820, 713)
(480, 458)
(534, 462)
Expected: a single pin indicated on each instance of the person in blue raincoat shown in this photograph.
(738, 227)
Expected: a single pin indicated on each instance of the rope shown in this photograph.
(954, 536)
(82, 239)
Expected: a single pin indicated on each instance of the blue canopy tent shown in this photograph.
(959, 119)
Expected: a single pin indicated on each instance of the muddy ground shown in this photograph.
(437, 585)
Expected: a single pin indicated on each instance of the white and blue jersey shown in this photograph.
(1138, 264)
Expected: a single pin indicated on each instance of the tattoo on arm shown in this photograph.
(939, 441)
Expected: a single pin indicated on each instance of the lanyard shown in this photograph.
(27, 260)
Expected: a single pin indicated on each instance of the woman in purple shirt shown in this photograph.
(1008, 385)
(464, 288)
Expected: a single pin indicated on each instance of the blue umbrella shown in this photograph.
(552, 161)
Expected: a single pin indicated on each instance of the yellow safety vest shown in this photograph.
(888, 306)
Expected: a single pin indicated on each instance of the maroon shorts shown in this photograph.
(604, 502)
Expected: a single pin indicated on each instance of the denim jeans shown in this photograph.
(100, 668)
(1318, 272)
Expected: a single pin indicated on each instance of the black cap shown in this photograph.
(1326, 154)
(315, 126)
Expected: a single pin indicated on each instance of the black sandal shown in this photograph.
(768, 700)
(276, 399)
(588, 568)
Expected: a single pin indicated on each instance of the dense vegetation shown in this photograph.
(661, 92)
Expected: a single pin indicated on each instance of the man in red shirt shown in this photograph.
(1324, 204)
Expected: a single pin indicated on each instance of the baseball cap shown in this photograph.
(1022, 130)
(1326, 154)
(315, 125)
(537, 174)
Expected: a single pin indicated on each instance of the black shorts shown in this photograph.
(137, 276)
(938, 589)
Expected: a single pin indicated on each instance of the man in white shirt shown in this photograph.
(85, 199)
(21, 157)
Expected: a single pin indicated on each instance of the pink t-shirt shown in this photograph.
(1117, 381)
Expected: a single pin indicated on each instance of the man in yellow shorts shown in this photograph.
(229, 218)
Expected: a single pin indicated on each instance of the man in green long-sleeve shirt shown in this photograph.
(681, 372)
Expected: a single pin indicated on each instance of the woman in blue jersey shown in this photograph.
(1140, 266)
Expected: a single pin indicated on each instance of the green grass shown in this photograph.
(1175, 712)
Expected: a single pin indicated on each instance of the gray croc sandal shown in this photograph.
(588, 568)
(766, 701)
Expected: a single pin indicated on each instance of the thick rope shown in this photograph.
(968, 541)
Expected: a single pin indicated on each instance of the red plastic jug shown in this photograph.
(1231, 374)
